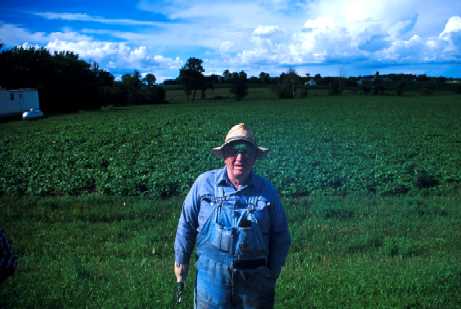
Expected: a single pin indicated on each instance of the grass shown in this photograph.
(99, 251)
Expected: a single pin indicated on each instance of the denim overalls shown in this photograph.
(232, 267)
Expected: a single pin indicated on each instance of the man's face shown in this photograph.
(239, 158)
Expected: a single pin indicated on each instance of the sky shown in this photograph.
(327, 37)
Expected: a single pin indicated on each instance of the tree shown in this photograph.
(149, 79)
(264, 77)
(194, 64)
(191, 76)
(226, 75)
(290, 85)
(335, 86)
(131, 87)
(378, 85)
(401, 88)
(239, 85)
(65, 83)
(141, 91)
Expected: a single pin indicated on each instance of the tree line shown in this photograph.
(292, 85)
(67, 83)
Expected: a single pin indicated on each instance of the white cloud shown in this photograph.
(452, 35)
(116, 55)
(13, 35)
(363, 30)
(265, 31)
(226, 46)
(98, 19)
(113, 56)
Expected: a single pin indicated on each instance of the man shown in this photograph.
(236, 220)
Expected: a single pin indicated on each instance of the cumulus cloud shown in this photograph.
(12, 35)
(114, 56)
(264, 33)
(452, 35)
(343, 31)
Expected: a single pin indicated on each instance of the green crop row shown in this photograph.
(319, 146)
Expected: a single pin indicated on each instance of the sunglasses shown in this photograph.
(240, 148)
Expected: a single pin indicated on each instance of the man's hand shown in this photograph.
(180, 270)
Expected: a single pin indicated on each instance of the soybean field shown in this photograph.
(371, 186)
(321, 145)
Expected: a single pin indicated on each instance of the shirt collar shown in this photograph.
(223, 180)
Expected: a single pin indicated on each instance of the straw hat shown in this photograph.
(240, 132)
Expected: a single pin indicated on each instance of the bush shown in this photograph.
(425, 180)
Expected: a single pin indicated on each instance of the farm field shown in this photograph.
(371, 185)
(319, 145)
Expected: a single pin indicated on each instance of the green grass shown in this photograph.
(96, 251)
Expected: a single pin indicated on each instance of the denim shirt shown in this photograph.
(195, 212)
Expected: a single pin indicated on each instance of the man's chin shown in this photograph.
(239, 171)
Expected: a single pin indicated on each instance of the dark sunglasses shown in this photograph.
(240, 148)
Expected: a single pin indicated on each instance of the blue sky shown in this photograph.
(330, 37)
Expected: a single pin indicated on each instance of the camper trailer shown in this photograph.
(20, 102)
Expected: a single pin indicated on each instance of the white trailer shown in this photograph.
(19, 101)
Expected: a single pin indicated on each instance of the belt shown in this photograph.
(249, 264)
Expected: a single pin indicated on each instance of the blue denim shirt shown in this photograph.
(193, 216)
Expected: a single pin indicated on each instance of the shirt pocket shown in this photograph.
(207, 204)
(261, 213)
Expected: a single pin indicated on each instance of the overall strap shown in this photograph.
(218, 197)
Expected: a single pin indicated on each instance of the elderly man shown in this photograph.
(236, 220)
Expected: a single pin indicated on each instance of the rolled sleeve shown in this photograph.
(187, 227)
(280, 239)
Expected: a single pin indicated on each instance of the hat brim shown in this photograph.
(261, 152)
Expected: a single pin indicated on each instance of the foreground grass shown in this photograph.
(361, 252)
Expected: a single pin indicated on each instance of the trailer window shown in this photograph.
(12, 96)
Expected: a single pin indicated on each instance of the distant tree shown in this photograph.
(226, 75)
(131, 87)
(318, 79)
(335, 86)
(149, 79)
(206, 84)
(427, 87)
(378, 85)
(65, 83)
(215, 78)
(239, 87)
(137, 90)
(191, 76)
(400, 88)
(264, 77)
(364, 85)
(290, 85)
